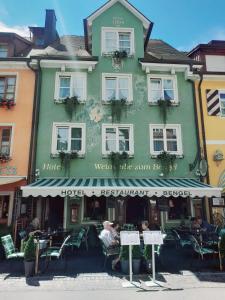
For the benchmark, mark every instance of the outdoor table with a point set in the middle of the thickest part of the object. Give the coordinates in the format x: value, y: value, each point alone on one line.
x: 42, y: 244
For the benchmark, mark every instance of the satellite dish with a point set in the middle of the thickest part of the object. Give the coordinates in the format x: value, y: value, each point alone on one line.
x: 203, y: 167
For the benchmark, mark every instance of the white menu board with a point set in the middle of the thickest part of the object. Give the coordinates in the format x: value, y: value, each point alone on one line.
x: 129, y: 238
x: 153, y: 237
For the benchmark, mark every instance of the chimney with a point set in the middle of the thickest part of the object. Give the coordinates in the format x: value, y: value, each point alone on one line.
x: 51, y: 33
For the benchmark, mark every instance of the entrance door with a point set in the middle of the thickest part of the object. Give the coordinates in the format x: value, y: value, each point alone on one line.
x: 56, y: 213
x: 136, y: 210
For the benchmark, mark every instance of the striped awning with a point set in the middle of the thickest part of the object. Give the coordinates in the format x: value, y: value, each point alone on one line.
x: 119, y: 188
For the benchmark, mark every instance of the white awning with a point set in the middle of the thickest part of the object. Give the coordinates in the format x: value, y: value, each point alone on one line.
x: 80, y: 187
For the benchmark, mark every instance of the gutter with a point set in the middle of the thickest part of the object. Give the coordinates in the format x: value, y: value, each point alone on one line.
x: 35, y: 121
x: 202, y: 122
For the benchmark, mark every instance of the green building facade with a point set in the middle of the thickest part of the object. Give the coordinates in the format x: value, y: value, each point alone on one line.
x: 116, y: 109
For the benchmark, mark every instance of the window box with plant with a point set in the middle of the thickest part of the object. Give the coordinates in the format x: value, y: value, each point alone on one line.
x: 117, y: 108
x: 4, y: 158
x: 116, y: 159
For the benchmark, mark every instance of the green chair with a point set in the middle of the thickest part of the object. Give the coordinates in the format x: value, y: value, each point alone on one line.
x: 108, y: 251
x: 181, y: 241
x: 128, y: 227
x: 77, y: 239
x: 55, y: 252
x: 200, y: 250
x: 9, y: 248
x: 99, y: 228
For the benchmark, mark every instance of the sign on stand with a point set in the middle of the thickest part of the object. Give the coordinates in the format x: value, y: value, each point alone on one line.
x: 153, y: 238
x: 130, y: 238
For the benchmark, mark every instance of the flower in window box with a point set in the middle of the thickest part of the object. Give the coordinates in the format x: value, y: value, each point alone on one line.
x: 117, y: 106
x: 116, y: 158
x: 167, y: 161
x: 74, y: 154
x: 10, y: 104
x: 164, y: 105
x: 4, y: 157
x: 70, y: 105
x: 120, y: 54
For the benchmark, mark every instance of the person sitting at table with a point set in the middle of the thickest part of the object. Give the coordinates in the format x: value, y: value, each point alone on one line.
x: 204, y: 225
x: 116, y: 230
x: 145, y: 226
x: 33, y: 228
x: 109, y: 240
x: 194, y: 224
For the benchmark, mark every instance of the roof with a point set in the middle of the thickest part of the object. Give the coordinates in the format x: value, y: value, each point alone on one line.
x: 65, y: 46
x: 15, y: 35
x: 211, y: 45
x: 73, y: 45
x: 146, y: 22
x: 120, y: 187
x: 158, y: 51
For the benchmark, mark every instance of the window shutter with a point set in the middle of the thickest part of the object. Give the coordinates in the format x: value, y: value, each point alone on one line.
x: 213, y: 102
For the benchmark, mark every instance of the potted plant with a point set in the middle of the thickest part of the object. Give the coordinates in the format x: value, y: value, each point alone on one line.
x: 117, y: 107
x: 136, y: 259
x: 116, y: 158
x: 148, y: 257
x: 124, y: 259
x: 167, y: 161
x: 29, y: 257
x: 71, y: 105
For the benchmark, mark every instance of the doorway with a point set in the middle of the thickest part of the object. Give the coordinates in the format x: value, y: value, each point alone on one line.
x: 137, y: 210
x: 56, y: 213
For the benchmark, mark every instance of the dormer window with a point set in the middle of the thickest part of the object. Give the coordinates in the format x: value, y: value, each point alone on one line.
x: 118, y: 39
x: 3, y: 50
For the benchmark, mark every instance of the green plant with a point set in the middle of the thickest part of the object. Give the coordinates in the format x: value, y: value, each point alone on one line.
x: 164, y: 105
x: 124, y: 253
x: 71, y: 105
x: 117, y: 107
x: 148, y: 252
x: 167, y: 161
x: 222, y: 246
x: 136, y: 252
x: 120, y: 54
x: 66, y: 157
x: 115, y: 158
x: 30, y: 250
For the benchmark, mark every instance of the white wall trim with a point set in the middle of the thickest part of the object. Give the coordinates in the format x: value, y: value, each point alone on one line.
x: 117, y: 30
x: 69, y: 125
x: 71, y: 64
x: 164, y: 127
x: 215, y: 142
x: 163, y: 76
x: 73, y: 76
x: 118, y: 75
x: 116, y: 126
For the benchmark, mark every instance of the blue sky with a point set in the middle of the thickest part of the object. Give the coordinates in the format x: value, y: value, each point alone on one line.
x: 182, y: 23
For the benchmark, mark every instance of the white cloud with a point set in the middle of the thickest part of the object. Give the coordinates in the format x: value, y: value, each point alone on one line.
x: 213, y: 34
x: 21, y: 30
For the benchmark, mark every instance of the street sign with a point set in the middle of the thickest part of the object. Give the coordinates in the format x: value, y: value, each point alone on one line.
x: 153, y: 237
x: 129, y: 238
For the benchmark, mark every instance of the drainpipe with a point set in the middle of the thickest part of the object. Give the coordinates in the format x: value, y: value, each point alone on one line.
x: 35, y: 120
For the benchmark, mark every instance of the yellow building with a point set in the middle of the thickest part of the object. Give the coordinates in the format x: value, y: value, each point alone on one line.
x: 210, y: 100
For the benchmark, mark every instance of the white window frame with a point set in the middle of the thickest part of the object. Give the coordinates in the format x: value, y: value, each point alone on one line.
x: 117, y: 76
x: 12, y: 125
x: 221, y: 92
x: 118, y: 30
x: 117, y: 126
x: 70, y: 126
x: 162, y: 77
x: 179, y: 151
x: 13, y: 74
x: 72, y: 75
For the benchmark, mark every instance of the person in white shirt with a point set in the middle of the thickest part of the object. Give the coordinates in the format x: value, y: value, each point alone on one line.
x: 109, y: 240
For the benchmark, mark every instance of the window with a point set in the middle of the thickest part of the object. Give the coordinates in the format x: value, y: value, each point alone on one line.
x: 165, y: 139
x: 178, y: 208
x: 95, y: 208
x: 117, y: 138
x: 3, y: 51
x: 5, y: 140
x: 7, y: 88
x: 4, y: 209
x: 71, y: 84
x: 222, y: 103
x: 68, y: 138
x: 118, y: 39
x: 117, y: 87
x: 162, y: 88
